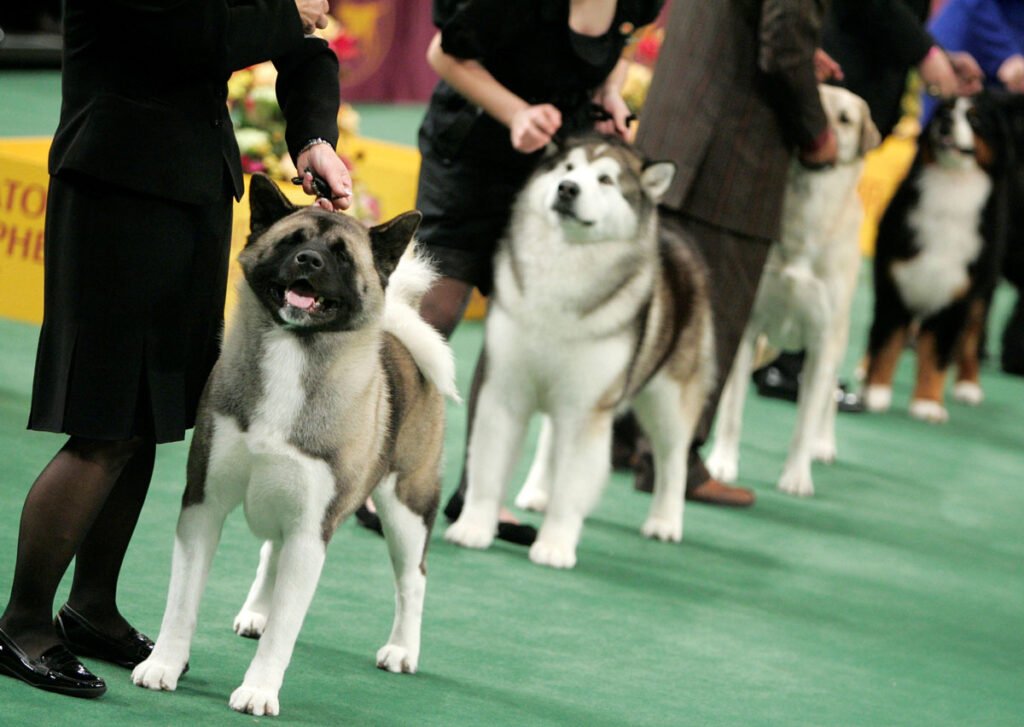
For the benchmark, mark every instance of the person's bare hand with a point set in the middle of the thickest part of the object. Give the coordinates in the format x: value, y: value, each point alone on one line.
x: 824, y: 154
x: 533, y: 127
x: 826, y: 68
x: 313, y: 14
x: 938, y: 75
x: 322, y: 159
x: 619, y: 112
x: 1011, y: 73
x: 968, y: 73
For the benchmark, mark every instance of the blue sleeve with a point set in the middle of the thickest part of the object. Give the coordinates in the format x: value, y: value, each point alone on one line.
x: 979, y: 28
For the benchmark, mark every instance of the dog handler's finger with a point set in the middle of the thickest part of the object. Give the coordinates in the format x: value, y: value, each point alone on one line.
x: 338, y: 178
x: 553, y: 116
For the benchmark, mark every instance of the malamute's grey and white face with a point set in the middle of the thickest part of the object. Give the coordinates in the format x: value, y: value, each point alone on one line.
x: 598, y: 188
x: 315, y: 270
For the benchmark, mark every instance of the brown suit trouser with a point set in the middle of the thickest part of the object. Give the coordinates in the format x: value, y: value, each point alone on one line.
x: 734, y: 262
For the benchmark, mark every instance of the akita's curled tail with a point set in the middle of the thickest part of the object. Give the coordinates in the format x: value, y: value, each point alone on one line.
x: 406, y: 288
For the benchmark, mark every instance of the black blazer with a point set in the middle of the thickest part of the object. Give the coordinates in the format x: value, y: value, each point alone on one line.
x: 877, y: 42
x: 144, y: 90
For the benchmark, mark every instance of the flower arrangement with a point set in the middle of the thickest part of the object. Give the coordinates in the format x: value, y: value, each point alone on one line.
x: 642, y: 54
x: 259, y: 124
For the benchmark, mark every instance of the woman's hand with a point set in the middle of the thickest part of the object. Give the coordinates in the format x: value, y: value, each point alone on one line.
x: 618, y: 124
x: 1011, y: 73
x: 826, y: 68
x: 323, y: 160
x: 533, y: 127
x: 968, y: 73
x: 313, y: 14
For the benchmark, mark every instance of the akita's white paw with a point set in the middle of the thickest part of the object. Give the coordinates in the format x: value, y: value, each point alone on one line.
x: 397, y: 659
x: 968, y: 392
x: 157, y: 675
x: 929, y: 411
x: 470, y: 535
x: 877, y: 398
x: 797, y: 482
x: 532, y: 498
x: 555, y: 555
x: 257, y: 701
x: 824, y: 451
x: 666, y: 529
x: 723, y: 467
x: 250, y: 624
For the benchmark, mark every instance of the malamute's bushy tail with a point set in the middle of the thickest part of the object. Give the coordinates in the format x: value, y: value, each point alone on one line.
x: 406, y: 288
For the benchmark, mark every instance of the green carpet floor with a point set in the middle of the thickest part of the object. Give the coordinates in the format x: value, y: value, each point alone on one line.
x: 895, y: 596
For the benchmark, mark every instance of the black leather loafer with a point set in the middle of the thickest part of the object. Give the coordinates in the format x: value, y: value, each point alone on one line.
x: 84, y: 639
x: 56, y: 670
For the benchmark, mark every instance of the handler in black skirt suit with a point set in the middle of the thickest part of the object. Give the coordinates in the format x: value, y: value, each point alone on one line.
x: 143, y: 168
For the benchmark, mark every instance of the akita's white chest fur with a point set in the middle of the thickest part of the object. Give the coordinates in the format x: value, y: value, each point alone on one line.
x: 283, y: 486
x: 947, y: 228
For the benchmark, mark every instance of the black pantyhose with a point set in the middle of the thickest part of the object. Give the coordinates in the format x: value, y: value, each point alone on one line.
x: 86, y: 502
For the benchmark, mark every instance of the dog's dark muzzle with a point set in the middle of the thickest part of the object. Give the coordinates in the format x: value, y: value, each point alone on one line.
x: 311, y: 284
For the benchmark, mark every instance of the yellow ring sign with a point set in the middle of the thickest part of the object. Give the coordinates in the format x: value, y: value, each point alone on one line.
x: 388, y: 170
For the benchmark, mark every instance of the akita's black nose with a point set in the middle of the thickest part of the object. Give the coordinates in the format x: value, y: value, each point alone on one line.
x: 568, y: 190
x: 310, y: 259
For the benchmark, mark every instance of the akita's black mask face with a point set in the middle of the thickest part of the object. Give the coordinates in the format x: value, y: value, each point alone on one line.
x: 315, y: 270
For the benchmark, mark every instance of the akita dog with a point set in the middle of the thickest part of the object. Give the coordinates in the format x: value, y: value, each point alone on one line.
x: 329, y: 388
x: 591, y: 313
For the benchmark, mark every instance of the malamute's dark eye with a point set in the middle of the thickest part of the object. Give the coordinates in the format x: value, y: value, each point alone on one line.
x: 568, y: 166
x: 843, y: 118
x: 605, y: 179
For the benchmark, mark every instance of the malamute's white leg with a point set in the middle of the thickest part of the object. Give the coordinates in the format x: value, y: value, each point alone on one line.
x: 581, y: 444
x: 499, y: 426
x: 537, y: 490
x: 406, y: 534
x: 198, y: 532
x: 723, y: 462
x: 669, y: 412
x: 299, y: 565
x: 252, y: 618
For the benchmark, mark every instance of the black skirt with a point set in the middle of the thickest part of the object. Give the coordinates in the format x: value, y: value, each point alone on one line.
x: 134, y: 301
x: 468, y: 180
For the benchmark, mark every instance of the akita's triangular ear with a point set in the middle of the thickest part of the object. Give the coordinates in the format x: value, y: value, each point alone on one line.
x: 267, y: 204
x: 657, y: 177
x: 389, y: 240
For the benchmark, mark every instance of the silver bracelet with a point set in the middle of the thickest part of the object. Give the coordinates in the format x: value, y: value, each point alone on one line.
x: 311, y: 143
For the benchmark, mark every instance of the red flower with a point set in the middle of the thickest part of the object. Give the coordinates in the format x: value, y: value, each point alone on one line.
x: 345, y: 46
x: 647, y: 49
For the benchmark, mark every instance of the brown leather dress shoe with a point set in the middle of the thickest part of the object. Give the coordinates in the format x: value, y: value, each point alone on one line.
x: 714, y: 492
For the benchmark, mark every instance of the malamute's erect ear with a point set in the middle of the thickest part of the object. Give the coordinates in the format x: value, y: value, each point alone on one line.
x: 389, y: 240
x: 267, y: 204
x: 657, y: 177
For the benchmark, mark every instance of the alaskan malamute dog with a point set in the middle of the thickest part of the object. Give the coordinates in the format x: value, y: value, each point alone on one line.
x: 590, y: 314
x: 329, y: 388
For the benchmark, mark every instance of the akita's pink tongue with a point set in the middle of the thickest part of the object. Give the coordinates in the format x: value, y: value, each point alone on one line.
x: 305, y: 302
